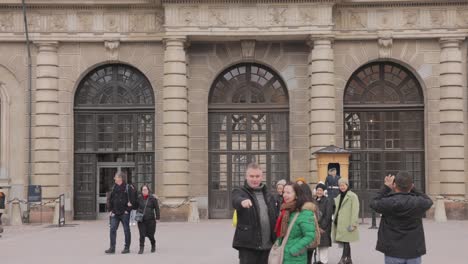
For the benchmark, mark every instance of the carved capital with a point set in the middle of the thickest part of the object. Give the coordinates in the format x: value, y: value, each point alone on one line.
x: 47, y: 46
x: 451, y: 42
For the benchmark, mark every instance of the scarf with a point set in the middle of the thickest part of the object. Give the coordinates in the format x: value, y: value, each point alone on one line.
x: 281, y: 226
x: 145, y: 196
x: 342, y: 196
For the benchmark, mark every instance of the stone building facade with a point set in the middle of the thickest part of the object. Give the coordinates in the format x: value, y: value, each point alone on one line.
x: 183, y: 94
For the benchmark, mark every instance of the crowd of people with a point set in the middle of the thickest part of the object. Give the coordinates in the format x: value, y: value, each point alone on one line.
x: 297, y: 225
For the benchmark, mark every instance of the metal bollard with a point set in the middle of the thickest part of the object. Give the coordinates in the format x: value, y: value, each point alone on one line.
x: 374, y: 221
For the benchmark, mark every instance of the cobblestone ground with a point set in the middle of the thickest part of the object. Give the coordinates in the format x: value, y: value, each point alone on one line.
x: 208, y: 242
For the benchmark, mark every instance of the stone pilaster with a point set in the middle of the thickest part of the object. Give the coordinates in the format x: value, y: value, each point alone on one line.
x: 175, y: 122
x: 46, y: 119
x: 452, y: 142
x: 321, y: 98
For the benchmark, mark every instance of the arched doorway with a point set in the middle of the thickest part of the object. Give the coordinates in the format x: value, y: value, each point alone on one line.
x: 114, y: 130
x: 248, y: 121
x: 384, y: 126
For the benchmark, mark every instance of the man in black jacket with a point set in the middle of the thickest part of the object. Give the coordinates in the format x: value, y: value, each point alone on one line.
x: 401, y: 232
x: 256, y: 217
x: 121, y: 202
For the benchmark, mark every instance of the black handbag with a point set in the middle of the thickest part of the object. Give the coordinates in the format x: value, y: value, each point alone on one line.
x: 138, y: 215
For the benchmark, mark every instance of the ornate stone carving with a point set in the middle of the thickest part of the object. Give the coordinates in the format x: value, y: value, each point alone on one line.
x: 34, y: 22
x: 85, y: 21
x: 7, y: 22
x: 278, y: 15
x: 437, y: 18
x: 358, y: 20
x: 462, y: 18
x: 307, y: 15
x: 189, y: 16
x: 410, y: 18
x: 57, y: 22
x: 385, y: 19
x: 248, y: 16
x: 134, y: 23
x: 112, y: 47
x: 111, y: 22
x: 385, y: 42
x: 248, y: 48
x: 218, y: 16
x: 159, y: 20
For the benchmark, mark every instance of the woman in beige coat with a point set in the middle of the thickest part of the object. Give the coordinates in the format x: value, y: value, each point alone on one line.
x: 345, y: 223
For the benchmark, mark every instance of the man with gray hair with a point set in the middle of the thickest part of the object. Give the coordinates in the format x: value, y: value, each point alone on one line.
x: 121, y: 202
x: 256, y: 217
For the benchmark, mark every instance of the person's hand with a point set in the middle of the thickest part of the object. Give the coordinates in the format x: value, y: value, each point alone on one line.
x: 321, y: 231
x: 111, y: 214
x: 389, y: 180
x: 351, y: 228
x: 246, y: 203
x: 129, y: 204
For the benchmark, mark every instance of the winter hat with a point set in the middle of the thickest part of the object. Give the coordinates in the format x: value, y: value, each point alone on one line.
x: 343, y: 180
x: 300, y: 179
x: 281, y: 182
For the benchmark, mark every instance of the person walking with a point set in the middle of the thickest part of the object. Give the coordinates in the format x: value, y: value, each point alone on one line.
x: 346, y: 217
x: 332, y: 183
x: 325, y: 206
x: 303, y: 232
x: 401, y: 232
x: 147, y: 205
x: 256, y: 216
x: 121, y: 202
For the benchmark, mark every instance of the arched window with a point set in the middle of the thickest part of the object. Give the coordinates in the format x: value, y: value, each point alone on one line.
x: 384, y: 125
x: 248, y: 121
x: 114, y: 131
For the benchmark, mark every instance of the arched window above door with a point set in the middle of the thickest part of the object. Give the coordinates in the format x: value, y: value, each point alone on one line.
x: 114, y: 85
x: 249, y: 84
x: 383, y: 83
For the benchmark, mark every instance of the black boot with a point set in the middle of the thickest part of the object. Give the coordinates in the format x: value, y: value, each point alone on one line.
x: 126, y: 251
x: 348, y: 260
x: 342, y: 260
x: 153, y: 248
x: 142, y: 249
x: 110, y: 251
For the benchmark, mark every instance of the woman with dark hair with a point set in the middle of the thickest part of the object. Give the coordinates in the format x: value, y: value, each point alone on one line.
x: 148, y: 205
x: 302, y: 232
x: 310, y: 198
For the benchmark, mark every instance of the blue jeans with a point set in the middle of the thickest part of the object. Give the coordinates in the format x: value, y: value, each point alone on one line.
x: 392, y: 260
x: 115, y: 221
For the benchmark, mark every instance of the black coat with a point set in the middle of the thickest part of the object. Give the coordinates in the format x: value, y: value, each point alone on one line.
x: 119, y: 198
x: 151, y: 212
x: 278, y: 202
x: 325, y: 222
x: 2, y: 200
x: 248, y: 232
x: 401, y: 232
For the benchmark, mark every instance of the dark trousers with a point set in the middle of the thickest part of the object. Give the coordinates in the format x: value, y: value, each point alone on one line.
x: 115, y: 221
x: 147, y: 229
x: 346, y: 250
x: 251, y: 256
x: 310, y: 254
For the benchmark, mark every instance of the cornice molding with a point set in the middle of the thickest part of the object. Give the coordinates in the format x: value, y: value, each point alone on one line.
x: 418, y: 3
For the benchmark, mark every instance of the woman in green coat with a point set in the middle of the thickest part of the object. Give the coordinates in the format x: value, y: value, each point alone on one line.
x: 303, y: 231
x: 346, y: 217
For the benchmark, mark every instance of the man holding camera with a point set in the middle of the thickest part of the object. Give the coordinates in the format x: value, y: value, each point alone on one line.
x: 401, y: 232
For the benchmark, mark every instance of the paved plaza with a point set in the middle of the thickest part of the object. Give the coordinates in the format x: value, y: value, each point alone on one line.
x: 208, y: 242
